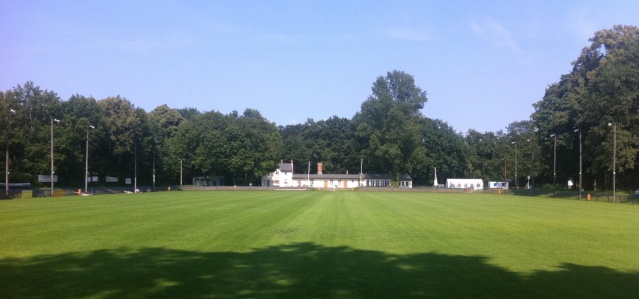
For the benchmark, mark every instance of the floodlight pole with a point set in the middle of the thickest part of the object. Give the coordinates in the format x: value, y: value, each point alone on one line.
x: 516, y: 179
x: 532, y: 163
x: 505, y: 170
x: 180, y: 172
x: 154, y: 142
x: 52, y: 171
x: 86, y: 166
x: 554, y: 168
x: 614, y: 161
x: 135, y: 164
x: 6, y: 165
x: 580, y: 160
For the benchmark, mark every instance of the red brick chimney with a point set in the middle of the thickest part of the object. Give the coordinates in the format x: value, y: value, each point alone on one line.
x: 319, y: 168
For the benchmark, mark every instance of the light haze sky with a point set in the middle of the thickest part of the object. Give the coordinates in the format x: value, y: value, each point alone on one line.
x: 482, y: 63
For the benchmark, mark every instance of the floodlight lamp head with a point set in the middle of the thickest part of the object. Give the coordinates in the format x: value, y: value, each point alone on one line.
x: 56, y: 120
x: 92, y: 127
x: 12, y: 111
x: 528, y: 140
x: 514, y: 142
x: 610, y: 124
x: 553, y: 135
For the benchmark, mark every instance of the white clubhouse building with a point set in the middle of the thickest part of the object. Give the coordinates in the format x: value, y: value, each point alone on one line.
x: 284, y: 177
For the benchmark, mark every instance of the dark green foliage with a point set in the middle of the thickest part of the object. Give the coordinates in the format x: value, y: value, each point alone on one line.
x: 602, y: 88
x: 388, y: 123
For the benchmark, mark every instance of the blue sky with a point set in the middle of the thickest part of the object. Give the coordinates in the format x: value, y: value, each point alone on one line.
x: 483, y: 63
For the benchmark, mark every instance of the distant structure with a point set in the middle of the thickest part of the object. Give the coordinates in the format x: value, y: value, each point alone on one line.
x: 284, y: 177
x: 497, y: 185
x: 209, y: 180
x: 475, y: 184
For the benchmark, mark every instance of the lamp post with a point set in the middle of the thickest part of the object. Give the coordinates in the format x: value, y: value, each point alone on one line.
x: 516, y: 179
x: 614, y: 161
x: 580, y: 159
x: 86, y: 166
x: 554, y: 167
x: 154, y: 142
x: 135, y: 165
x: 52, y: 171
x: 532, y: 162
x: 180, y: 172
x: 6, y: 156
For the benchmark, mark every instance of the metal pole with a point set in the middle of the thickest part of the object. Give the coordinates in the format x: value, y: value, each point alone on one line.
x: 614, y: 164
x: 154, y: 141
x: 516, y: 179
x: 180, y: 172
x: 614, y: 168
x: 6, y: 165
x: 580, y: 165
x: 135, y: 165
x: 580, y: 159
x: 52, y: 172
x: 86, y: 165
x: 532, y: 163
x: 554, y: 168
x: 505, y: 171
x: 86, y: 172
x: 532, y: 167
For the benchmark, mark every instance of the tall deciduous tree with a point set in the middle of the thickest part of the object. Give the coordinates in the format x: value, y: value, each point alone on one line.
x: 79, y: 114
x: 36, y: 108
x: 388, y: 123
x: 122, y: 127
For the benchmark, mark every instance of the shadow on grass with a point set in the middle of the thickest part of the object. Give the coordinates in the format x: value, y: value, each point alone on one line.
x: 296, y: 271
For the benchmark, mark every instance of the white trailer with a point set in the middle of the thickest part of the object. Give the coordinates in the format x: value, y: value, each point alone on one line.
x: 474, y: 184
x: 497, y: 185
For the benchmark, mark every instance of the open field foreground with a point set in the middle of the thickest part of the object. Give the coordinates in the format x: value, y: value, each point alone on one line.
x: 317, y: 244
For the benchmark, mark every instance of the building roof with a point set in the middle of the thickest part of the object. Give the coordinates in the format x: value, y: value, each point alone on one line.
x: 285, y: 167
x: 340, y: 176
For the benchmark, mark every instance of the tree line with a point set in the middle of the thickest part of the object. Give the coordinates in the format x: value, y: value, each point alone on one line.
x: 598, y: 98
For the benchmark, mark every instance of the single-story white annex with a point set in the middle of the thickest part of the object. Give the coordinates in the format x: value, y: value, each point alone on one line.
x: 284, y: 177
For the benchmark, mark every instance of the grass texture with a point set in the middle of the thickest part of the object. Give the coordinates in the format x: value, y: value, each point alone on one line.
x: 317, y: 245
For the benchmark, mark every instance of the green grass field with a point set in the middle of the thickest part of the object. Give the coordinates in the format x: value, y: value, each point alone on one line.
x: 317, y: 245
